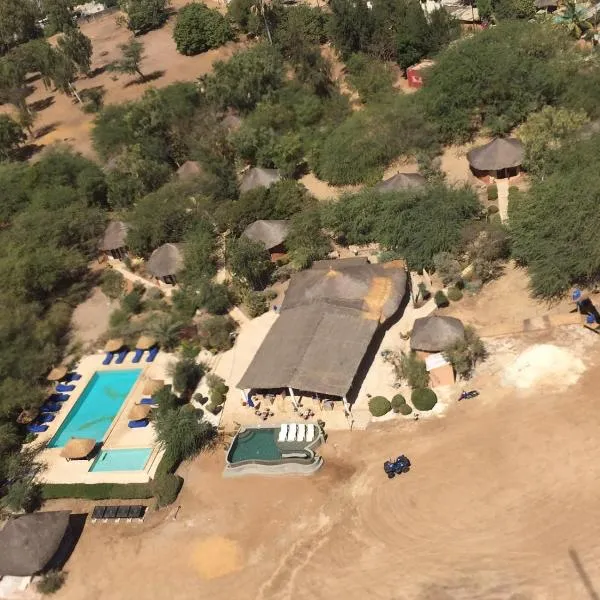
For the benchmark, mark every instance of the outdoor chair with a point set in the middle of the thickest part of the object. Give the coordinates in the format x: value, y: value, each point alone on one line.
x: 108, y: 358
x: 46, y: 418
x: 136, y: 511
x: 121, y: 357
x: 110, y: 513
x: 310, y: 432
x: 152, y: 354
x: 150, y: 401
x: 98, y: 513
x: 72, y: 377
x: 137, y: 356
x: 58, y: 397
x: 35, y: 428
x: 61, y: 387
x: 137, y: 424
x: 122, y: 512
x: 50, y: 407
x: 282, y: 433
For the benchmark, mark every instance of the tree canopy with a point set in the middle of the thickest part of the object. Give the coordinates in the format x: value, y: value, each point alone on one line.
x: 145, y: 15
x: 199, y: 28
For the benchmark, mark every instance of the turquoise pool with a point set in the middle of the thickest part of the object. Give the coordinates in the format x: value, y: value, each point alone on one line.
x: 97, y: 406
x: 128, y: 459
x: 255, y: 444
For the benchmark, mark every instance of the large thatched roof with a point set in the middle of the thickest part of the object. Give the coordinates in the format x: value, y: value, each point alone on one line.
x: 546, y: 3
x: 189, y: 169
x: 115, y: 236
x: 268, y: 233
x: 259, y: 177
x: 327, y: 321
x: 501, y: 153
x: 401, y: 181
x: 28, y: 542
x: 436, y: 333
x: 166, y: 260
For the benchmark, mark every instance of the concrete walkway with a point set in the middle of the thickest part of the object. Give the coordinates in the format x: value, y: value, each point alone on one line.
x: 502, y: 185
x: 117, y: 265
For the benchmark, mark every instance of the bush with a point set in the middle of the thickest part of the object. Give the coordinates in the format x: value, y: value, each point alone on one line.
x: 447, y: 267
x: 215, y: 333
x: 112, y: 283
x: 423, y: 399
x: 218, y: 389
x: 186, y: 374
x: 97, y: 491
x: 200, y: 28
x: 440, y: 299
x: 405, y: 409
x: 132, y: 302
x: 51, y: 582
x: 398, y: 402
x: 379, y: 406
x: 166, y: 489
x: 465, y: 354
x: 454, y: 294
x: 492, y: 192
x: 370, y: 77
x: 414, y: 370
x: 256, y: 304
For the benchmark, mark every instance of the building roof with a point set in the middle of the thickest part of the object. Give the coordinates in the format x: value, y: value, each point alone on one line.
x: 401, y: 181
x: 268, y: 233
x: 436, y: 333
x: 259, y: 177
x: 30, y: 541
x: 326, y: 322
x: 115, y: 236
x: 166, y: 260
x: 340, y: 263
x: 189, y: 169
x: 546, y: 3
x: 500, y: 153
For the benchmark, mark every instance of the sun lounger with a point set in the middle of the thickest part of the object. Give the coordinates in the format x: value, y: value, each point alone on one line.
x: 136, y: 511
x: 310, y: 432
x: 301, y: 432
x: 108, y: 358
x: 291, y: 436
x: 110, y: 513
x: 46, y: 418
x: 58, y: 398
x: 150, y: 401
x: 50, y: 407
x: 282, y: 433
x: 61, y: 387
x: 137, y: 356
x: 98, y: 513
x: 152, y: 354
x: 121, y: 357
x: 72, y: 377
x: 137, y: 424
x: 122, y: 512
x: 34, y: 428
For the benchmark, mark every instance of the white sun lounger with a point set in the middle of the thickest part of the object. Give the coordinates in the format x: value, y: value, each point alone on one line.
x: 283, y: 433
x: 301, y: 432
x: 310, y: 432
x: 291, y: 436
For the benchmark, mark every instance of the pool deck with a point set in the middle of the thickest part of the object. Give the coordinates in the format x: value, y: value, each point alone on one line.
x: 59, y: 470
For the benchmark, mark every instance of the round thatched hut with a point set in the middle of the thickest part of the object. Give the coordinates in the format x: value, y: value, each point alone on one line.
x: 499, y: 159
x: 258, y: 177
x: 165, y: 262
x: 400, y: 182
x: 114, y: 241
x: 436, y: 333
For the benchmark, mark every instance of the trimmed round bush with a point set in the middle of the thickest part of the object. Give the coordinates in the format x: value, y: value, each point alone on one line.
x: 405, y: 409
x: 440, y: 299
x: 423, y: 399
x: 398, y: 402
x: 492, y: 192
x: 379, y: 406
x: 200, y: 28
x: 454, y: 294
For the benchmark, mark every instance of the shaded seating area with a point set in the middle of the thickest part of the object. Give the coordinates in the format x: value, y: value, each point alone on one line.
x: 165, y: 262
x: 271, y: 234
x: 400, y: 182
x: 114, y: 241
x: 111, y: 347
x: 145, y: 343
x: 258, y: 177
x: 499, y: 159
x: 78, y: 448
x: 138, y: 416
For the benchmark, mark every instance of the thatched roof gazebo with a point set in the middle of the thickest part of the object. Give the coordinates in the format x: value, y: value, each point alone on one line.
x: 258, y: 177
x: 400, y: 182
x: 436, y: 333
x: 77, y: 448
x: 29, y: 542
x: 188, y: 170
x: 546, y: 4
x: 139, y: 411
x: 57, y: 374
x: 145, y: 342
x: 114, y: 241
x: 500, y: 158
x: 165, y: 262
x: 114, y: 345
x: 271, y: 234
x: 152, y: 385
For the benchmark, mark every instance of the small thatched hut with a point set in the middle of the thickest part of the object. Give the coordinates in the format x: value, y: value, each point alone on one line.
x: 271, y: 234
x: 499, y: 159
x: 114, y: 241
x: 547, y: 5
x: 30, y: 542
x: 188, y: 170
x: 436, y: 333
x: 400, y: 182
x: 258, y: 177
x: 165, y: 262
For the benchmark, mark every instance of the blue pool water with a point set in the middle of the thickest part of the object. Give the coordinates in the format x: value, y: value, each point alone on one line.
x: 97, y: 406
x: 128, y: 459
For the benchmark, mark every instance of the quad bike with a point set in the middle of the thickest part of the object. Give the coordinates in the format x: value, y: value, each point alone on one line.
x: 396, y: 467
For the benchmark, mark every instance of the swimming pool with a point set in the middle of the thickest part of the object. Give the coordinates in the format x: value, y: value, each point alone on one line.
x: 255, y: 444
x: 95, y: 409
x: 127, y: 459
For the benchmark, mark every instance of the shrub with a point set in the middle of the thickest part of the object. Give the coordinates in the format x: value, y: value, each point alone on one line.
x: 256, y: 304
x: 440, y: 299
x: 200, y: 28
x: 414, y: 370
x: 112, y: 283
x: 398, y: 402
x: 132, y: 302
x: 465, y: 354
x: 492, y: 192
x: 405, y: 409
x: 51, y: 582
x: 186, y: 375
x: 218, y: 389
x: 423, y: 399
x: 215, y: 333
x: 379, y: 406
x: 454, y: 294
x: 166, y: 489
x: 447, y: 267
x: 369, y: 76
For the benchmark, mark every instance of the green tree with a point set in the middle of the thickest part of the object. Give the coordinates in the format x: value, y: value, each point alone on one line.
x: 249, y: 261
x: 199, y: 28
x: 186, y: 374
x: 145, y: 15
x: 306, y: 241
x: 131, y: 58
x: 216, y: 333
x: 18, y: 23
x: 23, y: 470
x: 465, y: 354
x: 370, y: 77
x: 77, y: 47
x: 59, y: 15
x: 166, y: 331
x: 11, y: 137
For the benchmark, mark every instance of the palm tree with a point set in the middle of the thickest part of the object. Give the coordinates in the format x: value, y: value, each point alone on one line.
x: 166, y: 330
x: 575, y: 20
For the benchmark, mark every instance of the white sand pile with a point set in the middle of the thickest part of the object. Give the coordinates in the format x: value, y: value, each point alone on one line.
x: 543, y: 363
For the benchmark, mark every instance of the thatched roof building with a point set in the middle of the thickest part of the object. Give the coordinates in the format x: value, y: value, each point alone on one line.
x: 436, y: 333
x: 258, y: 177
x: 188, y: 170
x: 269, y: 233
x: 539, y: 4
x: 500, y: 153
x: 115, y: 237
x: 327, y: 321
x: 166, y: 261
x: 401, y: 181
x: 29, y: 542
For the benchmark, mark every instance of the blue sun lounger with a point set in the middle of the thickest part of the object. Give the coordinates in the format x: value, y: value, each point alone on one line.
x: 57, y: 398
x: 151, y: 401
x: 108, y: 358
x: 72, y: 377
x: 34, y: 428
x: 121, y: 357
x: 137, y: 356
x: 45, y: 418
x: 50, y: 407
x: 137, y: 424
x: 61, y: 387
x: 152, y: 354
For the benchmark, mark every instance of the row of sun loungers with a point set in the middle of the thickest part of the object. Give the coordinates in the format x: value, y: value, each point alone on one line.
x: 53, y: 404
x: 296, y: 432
x: 137, y: 357
x: 128, y: 512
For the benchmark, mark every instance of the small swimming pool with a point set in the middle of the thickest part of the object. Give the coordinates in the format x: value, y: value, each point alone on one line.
x: 255, y: 444
x: 127, y: 459
x: 95, y: 409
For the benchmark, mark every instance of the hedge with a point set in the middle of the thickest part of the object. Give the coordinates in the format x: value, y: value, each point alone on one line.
x: 379, y: 406
x: 423, y: 399
x: 454, y: 294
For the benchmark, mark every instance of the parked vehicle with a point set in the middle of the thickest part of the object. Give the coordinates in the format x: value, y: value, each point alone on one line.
x: 468, y: 395
x: 396, y: 467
